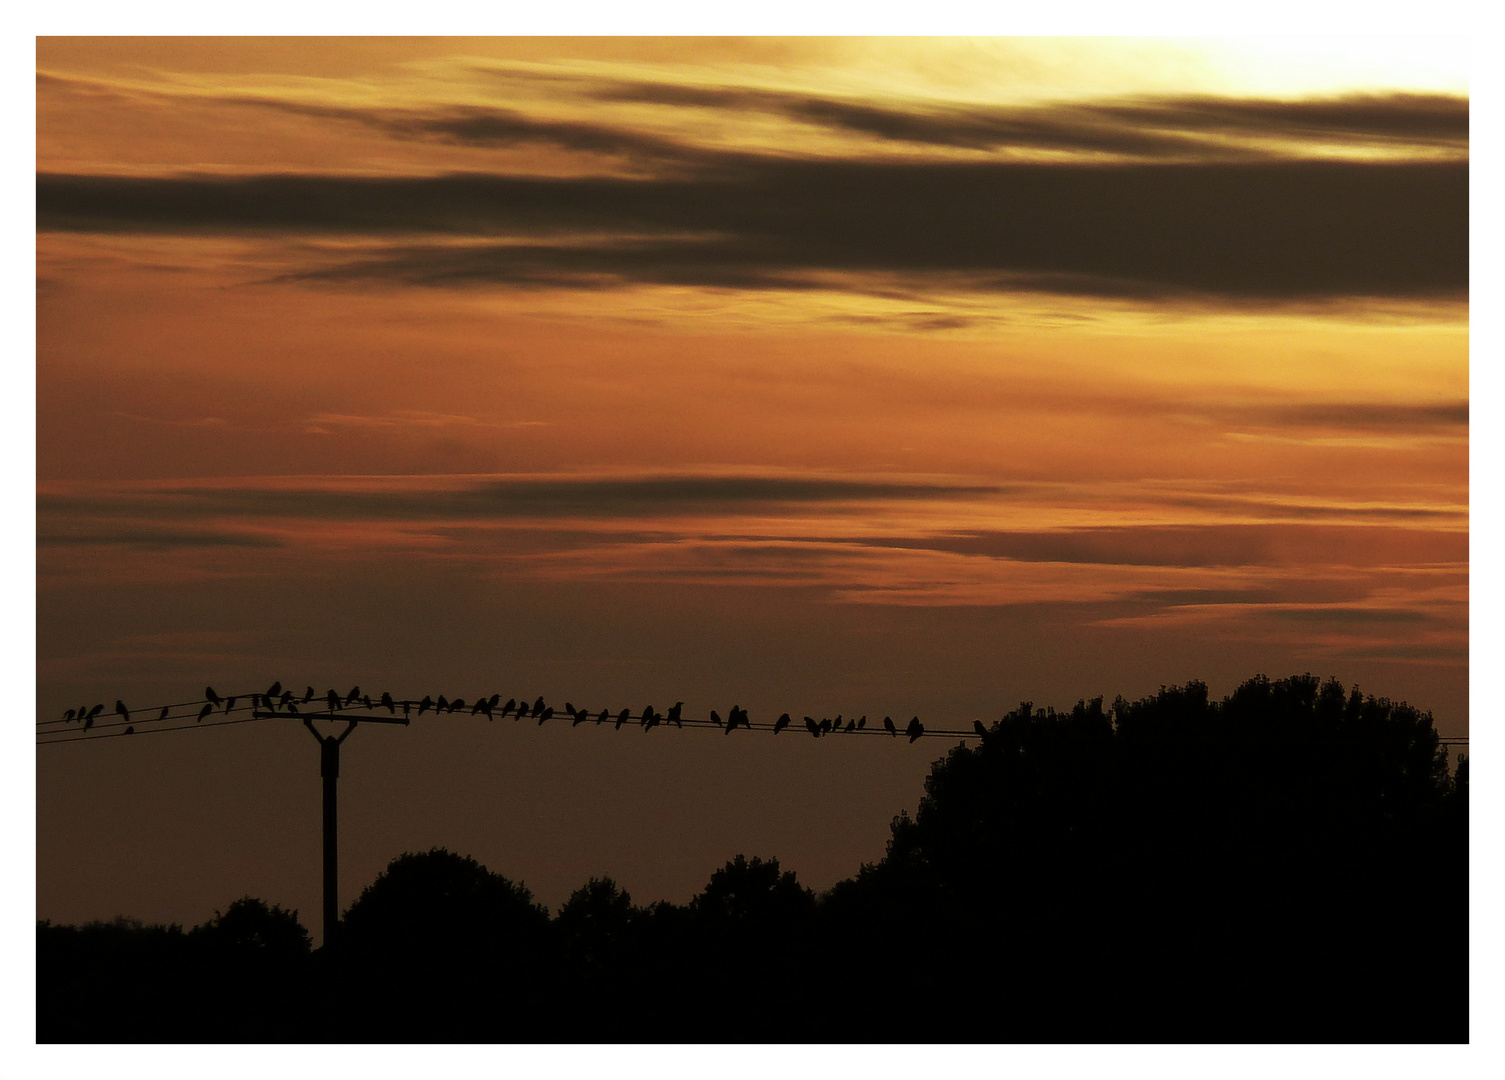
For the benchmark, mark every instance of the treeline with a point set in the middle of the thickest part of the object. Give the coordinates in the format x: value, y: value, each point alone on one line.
x: 1288, y: 864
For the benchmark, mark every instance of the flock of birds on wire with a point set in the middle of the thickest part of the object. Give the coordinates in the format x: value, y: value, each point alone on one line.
x: 277, y: 701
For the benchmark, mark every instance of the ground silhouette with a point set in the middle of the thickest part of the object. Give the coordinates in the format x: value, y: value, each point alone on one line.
x: 1278, y: 866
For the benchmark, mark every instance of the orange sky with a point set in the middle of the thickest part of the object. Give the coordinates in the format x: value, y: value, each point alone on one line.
x: 859, y: 376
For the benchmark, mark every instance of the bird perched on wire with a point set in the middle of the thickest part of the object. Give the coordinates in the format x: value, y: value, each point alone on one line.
x: 68, y: 715
x: 813, y: 726
x: 548, y: 712
x: 674, y: 713
x: 649, y: 717
x: 851, y: 726
x: 733, y: 718
x: 622, y: 718
x: 511, y: 704
x: 862, y: 721
x: 781, y: 723
x: 580, y: 715
x: 888, y: 725
x: 210, y: 695
x: 129, y: 730
x: 121, y: 710
x: 458, y: 703
x: 366, y: 702
x: 915, y: 729
x: 229, y: 704
x: 605, y: 713
x: 715, y: 718
x: 426, y: 703
x: 206, y: 710
x: 441, y: 705
x: 523, y: 709
x: 825, y: 725
x: 89, y: 717
x: 334, y: 701
x: 163, y: 715
x: 386, y: 700
x: 274, y: 691
x: 308, y: 695
x: 355, y: 692
x: 538, y: 705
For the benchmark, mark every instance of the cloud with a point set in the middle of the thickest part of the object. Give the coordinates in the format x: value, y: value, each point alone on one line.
x: 155, y: 538
x: 509, y: 498
x: 1267, y: 231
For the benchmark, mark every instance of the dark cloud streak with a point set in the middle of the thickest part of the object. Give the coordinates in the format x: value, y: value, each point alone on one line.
x: 1269, y: 231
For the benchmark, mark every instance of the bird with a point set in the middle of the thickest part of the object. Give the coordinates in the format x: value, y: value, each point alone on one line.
x: 569, y: 708
x: 781, y: 723
x: 493, y: 701
x: 355, y: 692
x: 292, y: 707
x: 68, y: 715
x: 674, y: 713
x: 333, y: 699
x: 650, y: 719
x: 851, y: 726
x: 604, y: 714
x: 82, y: 710
x: 538, y: 705
x: 229, y: 704
x: 211, y: 696
x: 129, y: 730
x: 121, y: 710
x: 474, y: 709
x: 386, y: 699
x: 836, y: 724
x: 206, y: 710
x: 888, y: 725
x: 647, y: 715
x: 813, y: 726
x: 308, y: 695
x: 89, y: 719
x: 715, y: 718
x: 548, y: 712
x: 275, y: 690
x: 427, y: 702
x: 982, y: 732
x: 523, y: 709
x: 862, y: 721
x: 915, y: 729
x: 287, y: 696
x: 511, y: 704
x: 825, y: 725
x: 458, y: 703
x: 441, y: 705
x: 483, y: 705
x: 366, y: 702
x: 163, y: 716
x: 622, y: 718
x: 580, y: 717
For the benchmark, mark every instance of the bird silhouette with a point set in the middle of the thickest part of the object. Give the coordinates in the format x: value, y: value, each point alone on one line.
x: 308, y: 695
x: 68, y: 715
x: 647, y: 715
x: 604, y: 714
x: 333, y: 699
x: 211, y: 696
x: 275, y: 690
x: 888, y: 725
x: 851, y: 726
x: 287, y: 696
x: 915, y: 729
x: 674, y: 713
x: 538, y: 705
x: 129, y: 730
x: 622, y: 718
x: 89, y: 721
x: 825, y: 725
x: 781, y: 723
x: 355, y: 692
x: 206, y: 710
x: 229, y: 704
x: 813, y: 726
x: 548, y: 712
x: 982, y: 732
x: 426, y: 703
x: 569, y: 708
x: 651, y: 719
x: 580, y: 717
x: 862, y: 721
x: 441, y: 705
x: 511, y: 704
x: 715, y: 718
x: 366, y: 702
x: 524, y: 709
x: 292, y: 707
x: 458, y: 703
x: 386, y: 699
x: 121, y: 710
x: 163, y: 716
x: 474, y: 709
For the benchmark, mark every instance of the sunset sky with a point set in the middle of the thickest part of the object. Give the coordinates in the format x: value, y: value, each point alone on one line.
x: 884, y: 376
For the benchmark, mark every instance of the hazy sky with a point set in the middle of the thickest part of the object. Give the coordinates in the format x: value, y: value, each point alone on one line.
x: 871, y: 377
